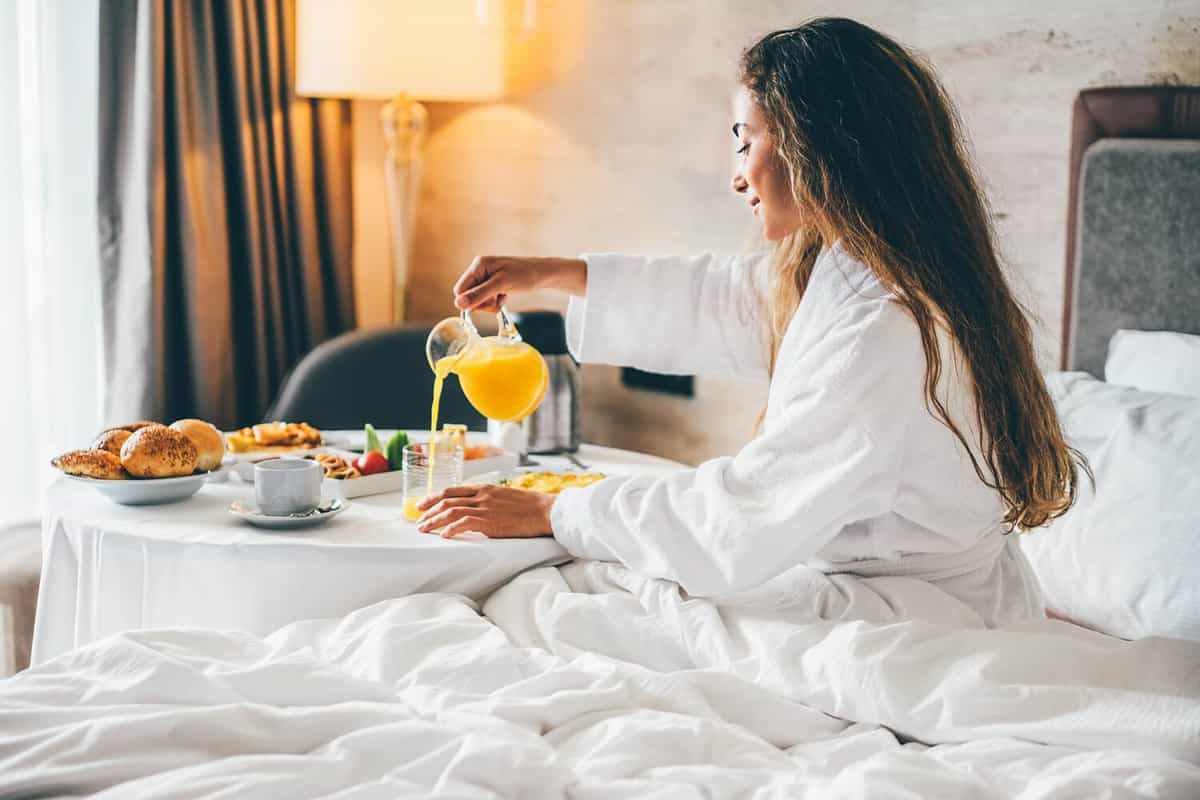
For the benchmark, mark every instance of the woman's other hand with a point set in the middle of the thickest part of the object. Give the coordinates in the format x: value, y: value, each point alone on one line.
x: 498, y: 512
x: 490, y: 279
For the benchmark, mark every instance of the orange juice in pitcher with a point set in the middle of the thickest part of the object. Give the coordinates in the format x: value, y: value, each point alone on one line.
x: 503, y: 377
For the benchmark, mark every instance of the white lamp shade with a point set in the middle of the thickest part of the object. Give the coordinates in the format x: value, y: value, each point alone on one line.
x: 429, y: 49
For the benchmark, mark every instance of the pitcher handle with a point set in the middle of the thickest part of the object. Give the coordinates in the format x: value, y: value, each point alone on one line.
x: 507, y: 329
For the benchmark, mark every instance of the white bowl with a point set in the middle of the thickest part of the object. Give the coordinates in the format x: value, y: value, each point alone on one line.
x: 146, y: 491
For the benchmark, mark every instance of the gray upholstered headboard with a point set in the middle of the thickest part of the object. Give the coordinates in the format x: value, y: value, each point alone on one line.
x: 1138, y: 244
x: 1133, y: 220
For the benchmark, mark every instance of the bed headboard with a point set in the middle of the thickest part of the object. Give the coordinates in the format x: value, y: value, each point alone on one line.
x: 1133, y: 225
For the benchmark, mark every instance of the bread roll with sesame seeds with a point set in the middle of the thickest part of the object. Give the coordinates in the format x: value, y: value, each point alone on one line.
x: 136, y: 426
x: 111, y: 440
x: 157, y: 451
x: 100, y: 464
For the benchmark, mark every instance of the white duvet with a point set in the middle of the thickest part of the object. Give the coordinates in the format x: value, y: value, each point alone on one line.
x: 588, y: 681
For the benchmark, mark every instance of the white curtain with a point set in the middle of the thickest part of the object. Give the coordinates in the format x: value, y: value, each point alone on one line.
x: 51, y: 356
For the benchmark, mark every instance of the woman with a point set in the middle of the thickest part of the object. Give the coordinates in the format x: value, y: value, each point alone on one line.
x: 907, y: 427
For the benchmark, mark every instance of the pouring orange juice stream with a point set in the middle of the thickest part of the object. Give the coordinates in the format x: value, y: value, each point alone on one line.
x: 504, y: 379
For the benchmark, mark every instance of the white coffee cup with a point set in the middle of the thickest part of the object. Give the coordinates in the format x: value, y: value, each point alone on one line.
x: 284, y: 486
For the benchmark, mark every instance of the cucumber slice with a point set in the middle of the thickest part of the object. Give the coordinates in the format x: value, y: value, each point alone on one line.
x: 373, y: 439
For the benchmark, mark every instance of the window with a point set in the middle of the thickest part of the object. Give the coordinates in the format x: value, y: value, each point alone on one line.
x: 51, y: 363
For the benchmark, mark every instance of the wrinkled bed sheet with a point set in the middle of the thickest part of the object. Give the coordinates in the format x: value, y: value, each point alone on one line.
x: 588, y: 681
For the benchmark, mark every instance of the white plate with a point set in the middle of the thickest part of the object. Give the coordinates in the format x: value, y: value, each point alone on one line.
x: 480, y: 466
x: 327, y: 441
x: 393, y: 480
x: 242, y: 464
x: 250, y: 457
x: 496, y: 476
x: 364, y: 485
x: 329, y: 508
x: 146, y: 491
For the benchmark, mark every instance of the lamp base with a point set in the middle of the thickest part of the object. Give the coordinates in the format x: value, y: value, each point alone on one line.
x: 404, y: 125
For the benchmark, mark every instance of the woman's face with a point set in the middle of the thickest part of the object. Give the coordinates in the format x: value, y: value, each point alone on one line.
x: 761, y: 174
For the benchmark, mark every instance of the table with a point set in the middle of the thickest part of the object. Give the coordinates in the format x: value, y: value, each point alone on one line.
x: 108, y: 568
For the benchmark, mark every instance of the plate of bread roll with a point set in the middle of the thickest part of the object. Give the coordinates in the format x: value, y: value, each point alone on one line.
x: 145, y: 462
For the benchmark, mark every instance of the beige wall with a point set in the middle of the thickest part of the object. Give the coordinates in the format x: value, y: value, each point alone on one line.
x: 617, y: 139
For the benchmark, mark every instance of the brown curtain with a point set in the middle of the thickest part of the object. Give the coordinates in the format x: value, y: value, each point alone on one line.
x: 249, y: 205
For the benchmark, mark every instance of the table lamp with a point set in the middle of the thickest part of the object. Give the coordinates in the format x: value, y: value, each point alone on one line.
x: 400, y: 50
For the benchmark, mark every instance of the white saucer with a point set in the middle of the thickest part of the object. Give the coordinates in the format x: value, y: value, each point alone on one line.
x: 329, y: 508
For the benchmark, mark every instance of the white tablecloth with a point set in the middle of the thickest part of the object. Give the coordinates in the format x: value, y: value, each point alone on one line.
x: 108, y: 568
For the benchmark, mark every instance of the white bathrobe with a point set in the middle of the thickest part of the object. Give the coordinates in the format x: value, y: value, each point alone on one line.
x: 851, y: 473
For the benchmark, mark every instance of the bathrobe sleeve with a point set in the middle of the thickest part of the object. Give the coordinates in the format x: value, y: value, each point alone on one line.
x: 829, y: 455
x: 683, y: 316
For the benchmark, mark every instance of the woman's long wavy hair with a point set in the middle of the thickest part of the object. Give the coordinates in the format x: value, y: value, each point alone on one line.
x: 877, y: 161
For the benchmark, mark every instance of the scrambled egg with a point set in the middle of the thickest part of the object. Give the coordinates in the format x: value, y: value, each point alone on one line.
x: 552, y: 482
x: 269, y: 435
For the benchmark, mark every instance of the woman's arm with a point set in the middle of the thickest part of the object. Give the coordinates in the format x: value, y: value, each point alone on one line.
x: 681, y: 315
x: 831, y: 455
x: 667, y: 314
x: 490, y: 279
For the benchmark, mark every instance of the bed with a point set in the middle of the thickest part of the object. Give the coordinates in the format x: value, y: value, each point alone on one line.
x: 589, y: 681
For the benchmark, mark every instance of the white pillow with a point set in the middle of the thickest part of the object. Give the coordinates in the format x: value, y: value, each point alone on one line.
x: 1125, y: 560
x: 1154, y: 361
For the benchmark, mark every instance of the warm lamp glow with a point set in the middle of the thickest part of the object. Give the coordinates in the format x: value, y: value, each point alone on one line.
x: 427, y: 49
x: 402, y: 51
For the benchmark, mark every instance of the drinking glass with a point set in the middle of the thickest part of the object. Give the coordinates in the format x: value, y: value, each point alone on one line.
x: 421, y: 478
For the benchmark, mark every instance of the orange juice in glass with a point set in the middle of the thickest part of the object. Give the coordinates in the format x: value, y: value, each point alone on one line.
x: 427, y: 471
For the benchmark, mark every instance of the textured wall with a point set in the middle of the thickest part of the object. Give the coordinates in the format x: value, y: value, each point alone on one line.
x: 617, y: 138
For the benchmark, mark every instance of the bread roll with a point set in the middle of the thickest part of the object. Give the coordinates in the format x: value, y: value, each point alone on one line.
x: 209, y: 444
x: 111, y: 440
x: 157, y: 451
x: 91, y: 464
x: 136, y: 426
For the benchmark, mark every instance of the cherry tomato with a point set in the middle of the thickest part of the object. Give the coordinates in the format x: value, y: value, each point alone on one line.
x: 371, y: 462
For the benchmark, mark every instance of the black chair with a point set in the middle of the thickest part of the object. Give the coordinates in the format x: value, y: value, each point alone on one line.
x: 375, y: 375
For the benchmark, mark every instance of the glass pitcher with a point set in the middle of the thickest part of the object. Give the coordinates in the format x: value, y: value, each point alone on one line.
x: 502, y: 376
